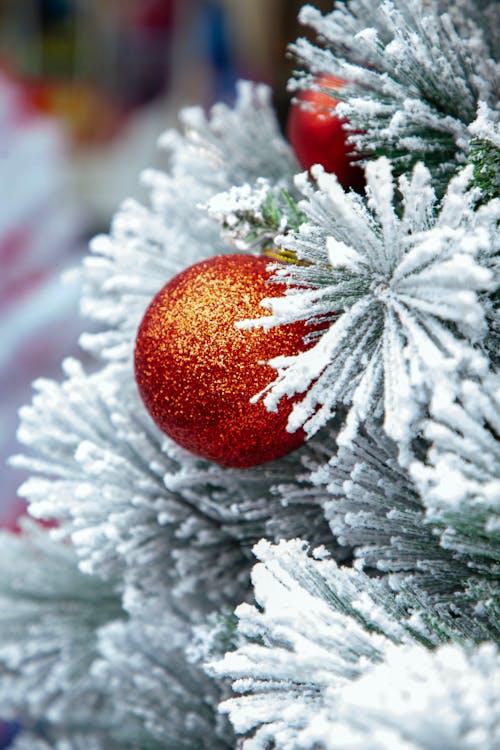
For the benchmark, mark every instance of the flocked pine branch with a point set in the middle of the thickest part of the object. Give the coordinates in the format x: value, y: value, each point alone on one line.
x: 55, y: 741
x: 28, y: 741
x: 79, y: 664
x: 486, y: 161
x: 50, y: 616
x: 252, y: 217
x: 485, y: 153
x: 42, y: 736
x: 136, y: 506
x: 143, y: 661
x: 330, y: 662
x: 460, y: 478
x: 374, y: 507
x: 404, y: 291
x: 102, y: 464
x: 174, y: 529
x: 485, y: 157
x: 417, y: 74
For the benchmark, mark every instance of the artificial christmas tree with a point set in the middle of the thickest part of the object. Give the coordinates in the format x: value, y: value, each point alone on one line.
x: 371, y: 618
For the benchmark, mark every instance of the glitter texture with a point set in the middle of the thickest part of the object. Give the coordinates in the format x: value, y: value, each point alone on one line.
x: 196, y: 371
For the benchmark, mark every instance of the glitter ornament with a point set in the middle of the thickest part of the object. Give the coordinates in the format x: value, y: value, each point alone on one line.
x: 196, y: 371
x: 317, y: 135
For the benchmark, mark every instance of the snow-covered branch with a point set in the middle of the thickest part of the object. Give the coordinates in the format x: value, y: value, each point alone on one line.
x: 405, y: 290
x: 330, y: 663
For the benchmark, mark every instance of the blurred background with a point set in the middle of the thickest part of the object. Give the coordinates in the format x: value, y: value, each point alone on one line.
x: 86, y: 87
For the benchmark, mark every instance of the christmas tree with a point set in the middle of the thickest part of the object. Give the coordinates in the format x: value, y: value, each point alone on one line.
x: 306, y: 555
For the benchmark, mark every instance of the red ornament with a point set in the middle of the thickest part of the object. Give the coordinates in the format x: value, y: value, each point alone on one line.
x: 318, y: 137
x: 196, y: 371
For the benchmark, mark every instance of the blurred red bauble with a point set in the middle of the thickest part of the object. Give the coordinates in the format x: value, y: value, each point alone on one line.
x: 196, y: 371
x: 317, y: 136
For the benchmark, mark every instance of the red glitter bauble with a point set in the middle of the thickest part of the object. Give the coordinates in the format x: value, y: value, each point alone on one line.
x: 196, y: 371
x: 318, y: 137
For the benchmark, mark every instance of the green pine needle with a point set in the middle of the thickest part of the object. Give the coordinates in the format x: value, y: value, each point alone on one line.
x: 485, y: 157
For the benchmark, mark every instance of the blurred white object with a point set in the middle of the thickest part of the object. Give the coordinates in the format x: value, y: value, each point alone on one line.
x: 105, y: 174
x: 39, y: 234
